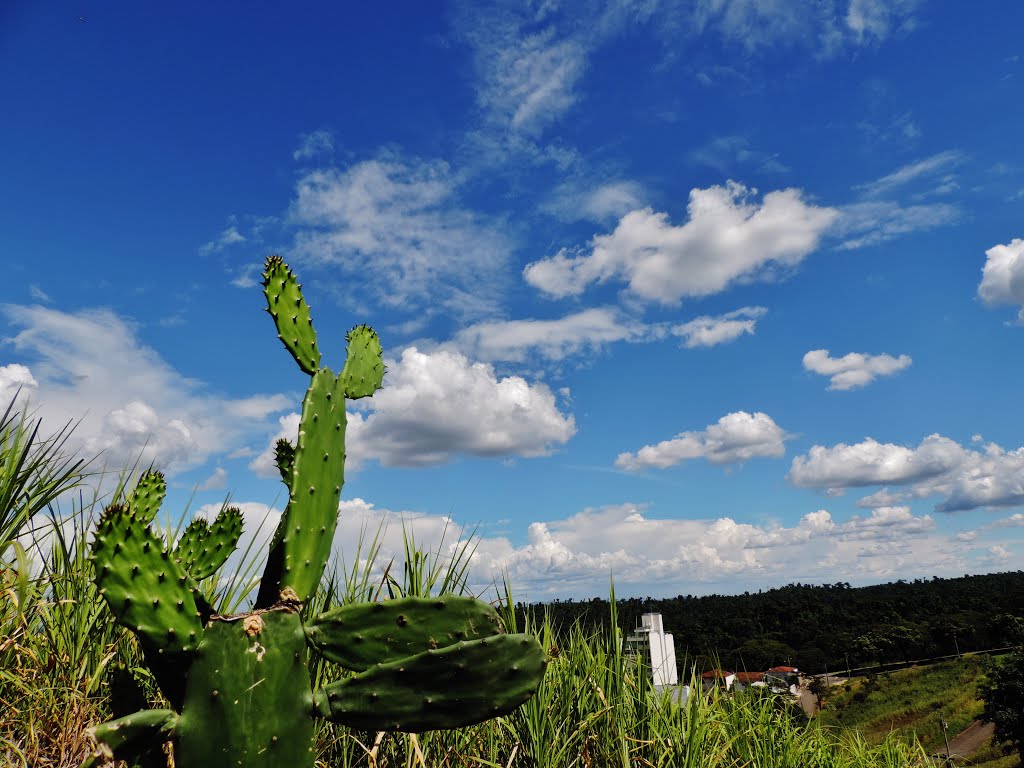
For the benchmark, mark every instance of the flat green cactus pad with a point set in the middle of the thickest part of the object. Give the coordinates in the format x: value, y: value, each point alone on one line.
x: 360, y: 635
x: 291, y: 313
x: 249, y: 695
x: 148, y: 495
x: 452, y: 687
x: 204, y: 547
x: 146, y: 590
x: 364, y: 367
x: 131, y: 736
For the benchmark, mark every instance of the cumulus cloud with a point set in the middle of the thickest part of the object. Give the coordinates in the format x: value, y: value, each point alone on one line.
x: 1002, y: 278
x: 962, y: 478
x: 708, y: 331
x: 90, y: 367
x: 16, y: 381
x: 436, y: 406
x: 399, y: 228
x: 728, y: 238
x: 853, y: 370
x: 585, y: 331
x: 734, y: 438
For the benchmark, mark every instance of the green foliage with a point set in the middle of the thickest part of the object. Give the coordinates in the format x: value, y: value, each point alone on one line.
x: 1003, y: 693
x: 242, y: 683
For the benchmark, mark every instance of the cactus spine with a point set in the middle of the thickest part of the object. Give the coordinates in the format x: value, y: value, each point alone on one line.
x: 240, y: 685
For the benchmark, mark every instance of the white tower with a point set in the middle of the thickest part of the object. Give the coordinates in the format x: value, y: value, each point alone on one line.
x: 657, y: 647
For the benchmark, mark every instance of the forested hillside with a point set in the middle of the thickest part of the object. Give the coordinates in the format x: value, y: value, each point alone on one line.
x: 835, y: 625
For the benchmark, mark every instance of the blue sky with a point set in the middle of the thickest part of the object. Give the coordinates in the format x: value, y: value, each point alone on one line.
x: 710, y: 295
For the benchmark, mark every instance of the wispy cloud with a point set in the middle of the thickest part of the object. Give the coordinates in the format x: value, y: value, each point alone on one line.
x: 313, y: 145
x: 586, y: 331
x: 859, y: 225
x: 928, y: 167
x: 708, y: 331
x: 399, y: 227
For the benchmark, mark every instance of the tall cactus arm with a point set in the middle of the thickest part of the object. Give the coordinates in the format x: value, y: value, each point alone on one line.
x: 291, y: 313
x: 130, y: 737
x: 359, y: 635
x: 145, y: 588
x: 452, y: 687
x: 317, y: 476
x: 364, y: 366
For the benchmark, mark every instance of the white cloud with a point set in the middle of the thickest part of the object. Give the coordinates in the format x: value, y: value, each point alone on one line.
x: 399, y: 228
x: 228, y: 237
x: 91, y: 367
x: 876, y: 19
x: 1002, y: 280
x: 587, y: 199
x: 707, y: 331
x: 906, y: 174
x: 734, y: 438
x: 728, y: 239
x: 436, y: 406
x: 314, y: 144
x: 962, y: 478
x: 16, y: 381
x: 587, y: 330
x: 855, y: 369
x: 873, y: 222
x: 216, y: 481
x: 872, y: 463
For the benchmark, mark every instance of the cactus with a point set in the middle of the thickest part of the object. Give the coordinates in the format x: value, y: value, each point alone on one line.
x: 240, y: 685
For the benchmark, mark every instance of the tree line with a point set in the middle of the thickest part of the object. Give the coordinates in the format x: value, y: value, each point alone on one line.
x: 819, y: 628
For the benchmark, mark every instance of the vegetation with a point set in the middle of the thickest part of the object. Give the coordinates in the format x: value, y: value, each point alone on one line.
x: 1003, y: 694
x: 913, y: 704
x: 826, y: 628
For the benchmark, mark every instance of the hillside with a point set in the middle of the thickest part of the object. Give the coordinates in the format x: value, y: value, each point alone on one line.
x: 914, y: 702
x: 829, y: 627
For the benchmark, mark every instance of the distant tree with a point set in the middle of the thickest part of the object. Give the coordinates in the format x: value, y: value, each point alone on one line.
x: 1003, y: 694
x: 818, y: 687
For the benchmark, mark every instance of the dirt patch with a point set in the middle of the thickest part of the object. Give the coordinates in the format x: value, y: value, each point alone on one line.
x: 971, y: 739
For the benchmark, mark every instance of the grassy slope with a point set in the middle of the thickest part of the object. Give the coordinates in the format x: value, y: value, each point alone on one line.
x: 914, y: 701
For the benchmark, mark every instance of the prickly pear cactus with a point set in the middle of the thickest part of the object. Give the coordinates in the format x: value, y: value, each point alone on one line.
x: 240, y: 685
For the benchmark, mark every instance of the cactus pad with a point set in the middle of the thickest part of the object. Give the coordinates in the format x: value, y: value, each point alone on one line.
x: 284, y: 457
x: 146, y: 590
x: 291, y: 313
x: 148, y: 495
x: 452, y: 687
x: 204, y: 547
x: 249, y: 697
x: 131, y: 736
x: 364, y: 367
x: 359, y: 635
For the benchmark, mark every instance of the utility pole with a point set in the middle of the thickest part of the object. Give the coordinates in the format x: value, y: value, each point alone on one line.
x: 945, y: 728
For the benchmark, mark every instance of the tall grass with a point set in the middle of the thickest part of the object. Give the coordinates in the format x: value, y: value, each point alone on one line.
x: 65, y: 665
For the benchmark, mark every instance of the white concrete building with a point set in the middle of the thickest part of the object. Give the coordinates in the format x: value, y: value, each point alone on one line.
x: 656, y: 647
